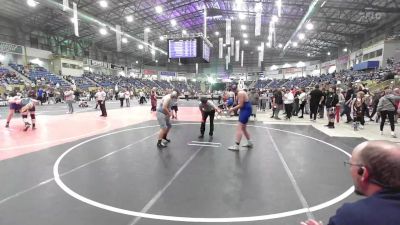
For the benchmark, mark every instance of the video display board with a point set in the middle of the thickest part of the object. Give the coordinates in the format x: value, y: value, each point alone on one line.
x: 184, y: 48
x: 206, y: 52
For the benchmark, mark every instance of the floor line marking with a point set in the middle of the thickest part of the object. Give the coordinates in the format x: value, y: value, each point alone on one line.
x: 110, y: 208
x: 204, y: 145
x: 205, y: 142
x: 72, y: 170
x: 155, y: 198
x: 296, y: 187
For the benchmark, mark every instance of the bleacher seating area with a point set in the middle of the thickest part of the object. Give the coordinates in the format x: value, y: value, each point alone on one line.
x: 17, y: 67
x: 343, y: 77
x: 180, y: 85
x: 102, y: 80
x: 41, y: 76
x: 82, y: 82
x: 9, y: 78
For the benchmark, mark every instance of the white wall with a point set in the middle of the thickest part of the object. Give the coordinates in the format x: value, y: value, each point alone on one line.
x: 71, y: 71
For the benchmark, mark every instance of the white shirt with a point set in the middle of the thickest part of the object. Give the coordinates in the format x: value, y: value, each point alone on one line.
x: 127, y: 94
x: 302, y: 97
x: 101, y: 96
x: 288, y: 98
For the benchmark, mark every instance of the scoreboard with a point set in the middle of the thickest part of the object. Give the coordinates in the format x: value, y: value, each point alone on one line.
x: 182, y: 48
x: 189, y: 50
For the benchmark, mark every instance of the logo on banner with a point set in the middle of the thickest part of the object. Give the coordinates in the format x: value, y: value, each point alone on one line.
x: 7, y: 47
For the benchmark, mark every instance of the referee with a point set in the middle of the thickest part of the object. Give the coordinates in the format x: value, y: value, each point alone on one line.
x: 207, y: 108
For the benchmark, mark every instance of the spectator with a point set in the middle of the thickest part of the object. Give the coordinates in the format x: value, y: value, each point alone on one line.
x: 375, y: 170
x: 387, y: 109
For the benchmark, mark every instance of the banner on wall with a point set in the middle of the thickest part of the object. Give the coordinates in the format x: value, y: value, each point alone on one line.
x: 150, y: 72
x: 292, y: 70
x: 11, y: 48
x: 343, y: 59
x: 167, y: 73
x: 93, y: 62
x: 117, y: 67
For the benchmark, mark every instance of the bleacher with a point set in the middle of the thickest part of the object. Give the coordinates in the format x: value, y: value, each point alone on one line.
x: 180, y: 85
x: 82, y: 82
x: 9, y: 78
x: 41, y: 76
x: 163, y: 84
x: 17, y: 67
x: 102, y: 80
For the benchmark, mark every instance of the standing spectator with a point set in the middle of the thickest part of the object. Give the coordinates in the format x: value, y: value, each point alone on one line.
x: 277, y: 104
x: 316, y: 98
x: 101, y: 100
x: 288, y: 100
x: 375, y: 171
x: 302, y: 101
x: 332, y: 100
x: 347, y: 105
x: 387, y: 109
x: 40, y: 96
x: 254, y: 99
x: 153, y: 99
x: 121, y: 97
x: 296, y: 104
x: 69, y: 99
x: 127, y: 98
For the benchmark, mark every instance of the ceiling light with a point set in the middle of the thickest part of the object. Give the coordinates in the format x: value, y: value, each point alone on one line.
x: 129, y: 19
x: 156, y: 61
x: 72, y: 20
x: 268, y: 44
x: 159, y: 9
x: 147, y: 29
x: 246, y: 42
x: 345, y: 50
x: 301, y: 36
x: 173, y: 22
x: 124, y: 40
x: 295, y: 44
x: 269, y: 38
x: 286, y: 65
x: 137, y: 62
x: 280, y: 45
x: 140, y: 46
x: 274, y: 18
x: 243, y: 27
x: 242, y: 16
x: 322, y: 5
x: 2, y: 57
x: 184, y: 32
x: 103, y: 3
x: 259, y: 48
x: 309, y: 26
x: 161, y: 38
x: 308, y: 54
x: 245, y: 35
x: 103, y: 31
x: 329, y: 53
x: 32, y: 3
x: 216, y: 33
x: 224, y: 45
x: 300, y: 64
x: 153, y: 52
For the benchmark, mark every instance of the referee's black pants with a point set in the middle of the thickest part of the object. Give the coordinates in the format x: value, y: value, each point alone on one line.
x: 102, y: 105
x: 204, y: 120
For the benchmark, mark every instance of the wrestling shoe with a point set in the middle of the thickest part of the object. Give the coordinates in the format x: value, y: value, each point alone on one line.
x: 234, y: 148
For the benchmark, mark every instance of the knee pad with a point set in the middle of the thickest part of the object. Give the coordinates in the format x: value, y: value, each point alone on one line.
x: 33, y: 116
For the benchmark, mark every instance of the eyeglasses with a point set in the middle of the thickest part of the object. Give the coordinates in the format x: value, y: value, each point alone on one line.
x: 346, y: 163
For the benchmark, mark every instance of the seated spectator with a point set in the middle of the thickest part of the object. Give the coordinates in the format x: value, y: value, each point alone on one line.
x: 375, y: 170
